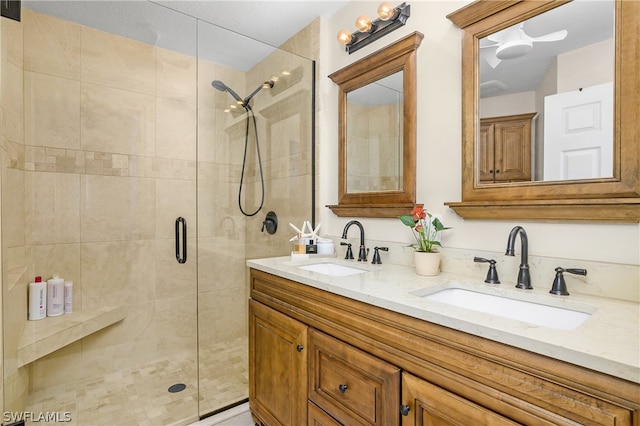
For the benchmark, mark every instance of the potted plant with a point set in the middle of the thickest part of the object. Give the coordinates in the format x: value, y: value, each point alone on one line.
x: 426, y: 229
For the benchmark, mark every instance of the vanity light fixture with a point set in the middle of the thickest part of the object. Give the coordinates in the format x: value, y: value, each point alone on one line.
x: 389, y: 19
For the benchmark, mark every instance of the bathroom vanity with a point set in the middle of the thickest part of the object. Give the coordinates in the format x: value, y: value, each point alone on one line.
x: 367, y: 347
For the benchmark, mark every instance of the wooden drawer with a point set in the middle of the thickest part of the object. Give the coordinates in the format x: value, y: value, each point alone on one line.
x: 318, y: 417
x: 352, y: 386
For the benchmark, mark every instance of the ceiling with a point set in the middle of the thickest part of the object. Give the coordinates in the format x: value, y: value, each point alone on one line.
x: 243, y: 31
x: 586, y: 21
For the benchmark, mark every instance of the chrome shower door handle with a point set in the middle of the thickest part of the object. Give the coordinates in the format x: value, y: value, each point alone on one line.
x: 181, y: 231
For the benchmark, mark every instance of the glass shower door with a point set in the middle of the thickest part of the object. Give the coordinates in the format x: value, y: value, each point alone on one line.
x: 98, y: 162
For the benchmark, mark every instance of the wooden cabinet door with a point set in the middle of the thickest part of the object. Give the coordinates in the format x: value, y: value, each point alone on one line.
x: 512, y: 144
x: 277, y: 367
x: 486, y: 155
x: 354, y: 387
x: 504, y: 152
x: 424, y: 404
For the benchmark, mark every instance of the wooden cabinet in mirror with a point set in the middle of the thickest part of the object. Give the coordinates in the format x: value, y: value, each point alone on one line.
x: 613, y: 195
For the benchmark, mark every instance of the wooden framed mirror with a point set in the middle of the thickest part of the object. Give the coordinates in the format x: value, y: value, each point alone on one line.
x: 377, y: 132
x: 611, y: 194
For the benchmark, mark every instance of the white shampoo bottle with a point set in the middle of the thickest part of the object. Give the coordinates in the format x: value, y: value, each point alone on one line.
x: 37, y: 299
x: 68, y: 297
x: 55, y: 297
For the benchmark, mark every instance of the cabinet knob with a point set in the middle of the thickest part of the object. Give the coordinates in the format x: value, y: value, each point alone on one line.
x: 497, y: 171
x: 343, y: 388
x: 404, y: 410
x: 299, y: 348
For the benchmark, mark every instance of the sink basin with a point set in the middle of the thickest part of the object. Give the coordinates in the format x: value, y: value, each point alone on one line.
x: 529, y: 312
x: 332, y: 269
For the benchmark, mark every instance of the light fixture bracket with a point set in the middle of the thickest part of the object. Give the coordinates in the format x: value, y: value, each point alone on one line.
x: 379, y: 28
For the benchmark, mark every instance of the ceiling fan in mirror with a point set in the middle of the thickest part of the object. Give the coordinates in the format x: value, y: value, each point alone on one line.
x: 513, y: 42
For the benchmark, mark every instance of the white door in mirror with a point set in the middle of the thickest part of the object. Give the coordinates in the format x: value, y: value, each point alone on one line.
x: 578, y: 134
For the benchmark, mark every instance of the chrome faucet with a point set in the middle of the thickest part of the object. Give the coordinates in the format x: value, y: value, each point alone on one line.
x: 524, y: 278
x: 362, y: 253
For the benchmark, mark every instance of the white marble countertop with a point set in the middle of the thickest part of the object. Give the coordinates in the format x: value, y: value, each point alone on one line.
x: 608, y: 341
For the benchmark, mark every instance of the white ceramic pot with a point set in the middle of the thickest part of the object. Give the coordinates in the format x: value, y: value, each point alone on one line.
x: 427, y: 263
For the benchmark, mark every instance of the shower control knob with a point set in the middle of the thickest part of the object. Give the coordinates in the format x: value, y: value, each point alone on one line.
x: 270, y: 223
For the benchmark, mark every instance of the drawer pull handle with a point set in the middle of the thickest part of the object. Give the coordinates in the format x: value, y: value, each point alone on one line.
x: 299, y: 348
x: 342, y: 388
x: 404, y: 410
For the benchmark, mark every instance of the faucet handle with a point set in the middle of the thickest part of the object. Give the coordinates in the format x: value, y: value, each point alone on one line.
x: 376, y: 255
x: 492, y: 273
x: 349, y: 254
x: 559, y: 286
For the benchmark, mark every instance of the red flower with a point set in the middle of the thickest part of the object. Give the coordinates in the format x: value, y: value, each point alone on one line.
x: 418, y: 213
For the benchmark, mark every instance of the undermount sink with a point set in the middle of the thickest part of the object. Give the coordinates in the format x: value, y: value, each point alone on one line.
x: 528, y: 312
x: 332, y: 269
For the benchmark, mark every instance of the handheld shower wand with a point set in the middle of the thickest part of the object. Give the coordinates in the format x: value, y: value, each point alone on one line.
x: 219, y: 85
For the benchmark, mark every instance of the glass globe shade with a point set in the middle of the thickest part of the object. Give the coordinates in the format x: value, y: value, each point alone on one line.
x: 363, y: 23
x: 344, y: 36
x: 386, y: 11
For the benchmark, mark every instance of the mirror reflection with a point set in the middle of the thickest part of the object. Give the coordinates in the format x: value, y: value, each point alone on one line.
x: 375, y: 136
x: 546, y: 96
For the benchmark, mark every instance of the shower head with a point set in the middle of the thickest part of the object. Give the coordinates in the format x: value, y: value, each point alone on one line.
x: 266, y: 85
x: 217, y: 84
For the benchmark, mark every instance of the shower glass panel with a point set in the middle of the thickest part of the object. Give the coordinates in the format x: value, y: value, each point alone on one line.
x: 279, y: 179
x: 100, y: 166
x: 110, y: 134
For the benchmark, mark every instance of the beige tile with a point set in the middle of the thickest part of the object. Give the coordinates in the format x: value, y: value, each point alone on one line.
x: 58, y: 368
x: 207, y: 95
x: 52, y: 205
x: 12, y: 36
x: 117, y: 62
x: 173, y: 279
x: 117, y: 208
x: 13, y: 210
x: 218, y: 143
x: 117, y: 273
x: 12, y: 101
x: 225, y: 314
x: 177, y: 320
x: 52, y: 111
x: 218, y: 210
x: 175, y: 76
x: 175, y: 129
x: 51, y: 45
x: 117, y: 121
x: 175, y: 198
x: 220, y: 264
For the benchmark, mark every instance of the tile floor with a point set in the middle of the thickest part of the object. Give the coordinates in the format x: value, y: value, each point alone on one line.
x: 138, y: 395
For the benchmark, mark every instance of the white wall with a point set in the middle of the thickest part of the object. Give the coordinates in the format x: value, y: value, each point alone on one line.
x: 439, y: 147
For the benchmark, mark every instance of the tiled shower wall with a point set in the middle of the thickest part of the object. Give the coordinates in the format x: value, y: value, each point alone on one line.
x: 98, y: 161
x: 108, y: 163
x: 13, y: 211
